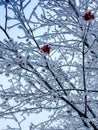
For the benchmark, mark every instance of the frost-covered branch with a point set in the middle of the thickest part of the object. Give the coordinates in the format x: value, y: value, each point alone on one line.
x: 49, y: 59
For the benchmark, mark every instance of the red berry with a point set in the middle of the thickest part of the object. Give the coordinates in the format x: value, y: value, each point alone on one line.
x: 88, y: 16
x: 46, y: 49
x: 92, y: 16
x: 19, y: 56
x: 54, y: 96
x: 23, y: 64
x: 8, y: 65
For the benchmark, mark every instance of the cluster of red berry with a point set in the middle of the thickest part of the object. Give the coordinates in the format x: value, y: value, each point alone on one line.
x: 88, y: 16
x: 46, y: 49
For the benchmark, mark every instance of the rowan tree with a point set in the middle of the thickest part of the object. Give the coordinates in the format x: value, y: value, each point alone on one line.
x: 50, y: 53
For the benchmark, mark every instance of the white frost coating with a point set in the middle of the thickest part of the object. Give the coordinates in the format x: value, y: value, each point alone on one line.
x: 61, y: 80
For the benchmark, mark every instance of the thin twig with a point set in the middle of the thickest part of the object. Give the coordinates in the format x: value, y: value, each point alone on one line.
x: 5, y: 32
